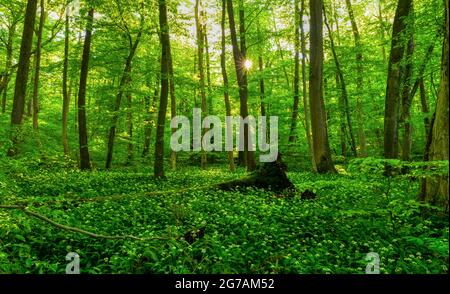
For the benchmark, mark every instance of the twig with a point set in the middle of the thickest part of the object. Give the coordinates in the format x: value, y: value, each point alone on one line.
x: 74, y: 229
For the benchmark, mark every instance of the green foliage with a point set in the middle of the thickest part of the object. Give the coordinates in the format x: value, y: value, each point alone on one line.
x: 250, y: 231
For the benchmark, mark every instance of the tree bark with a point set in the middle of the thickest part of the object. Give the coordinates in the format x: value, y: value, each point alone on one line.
x: 66, y: 95
x: 407, y: 100
x: 201, y: 70
x: 292, y: 133
x: 124, y: 82
x: 22, y: 75
x: 173, y: 109
x: 163, y: 101
x: 223, y: 66
x: 85, y: 163
x: 321, y: 147
x: 344, y: 94
x: 37, y: 67
x: 239, y: 59
x: 304, y: 87
x: 9, y: 52
x: 391, y: 108
x: 151, y: 110
x: 359, y: 81
x: 436, y: 188
x: 130, y: 128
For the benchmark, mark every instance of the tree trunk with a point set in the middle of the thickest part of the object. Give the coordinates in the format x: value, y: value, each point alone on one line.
x: 9, y: 52
x: 304, y: 92
x: 345, y: 105
x: 130, y: 128
x: 407, y: 100
x: 436, y: 188
x: 225, y: 80
x: 392, y: 102
x: 173, y: 110
x: 321, y: 147
x: 201, y: 71
x: 359, y: 81
x: 22, y: 75
x: 425, y: 109
x: 37, y: 67
x: 124, y: 82
x: 66, y: 95
x: 151, y: 110
x: 239, y: 59
x: 292, y: 134
x: 82, y: 124
x: 382, y: 30
x: 208, y: 66
x: 163, y: 101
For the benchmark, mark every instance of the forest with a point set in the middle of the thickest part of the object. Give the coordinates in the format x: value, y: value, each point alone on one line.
x: 119, y: 154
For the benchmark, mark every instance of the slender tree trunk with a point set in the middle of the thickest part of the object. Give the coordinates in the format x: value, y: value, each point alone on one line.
x: 293, y: 135
x: 201, y: 71
x: 208, y: 66
x: 239, y: 59
x: 223, y: 66
x: 9, y: 52
x: 66, y: 94
x: 37, y: 67
x: 130, y: 128
x: 22, y: 76
x: 382, y: 30
x: 163, y: 101
x: 304, y: 87
x: 151, y: 111
x: 425, y: 109
x: 436, y: 188
x: 345, y: 105
x: 173, y: 110
x: 321, y: 147
x: 407, y: 100
x: 124, y: 83
x: 359, y: 81
x: 392, y: 102
x: 85, y: 162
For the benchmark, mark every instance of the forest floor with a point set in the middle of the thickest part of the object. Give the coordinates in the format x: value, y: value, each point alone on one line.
x: 201, y: 230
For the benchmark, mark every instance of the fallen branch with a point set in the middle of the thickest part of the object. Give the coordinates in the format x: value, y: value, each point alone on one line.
x: 74, y: 229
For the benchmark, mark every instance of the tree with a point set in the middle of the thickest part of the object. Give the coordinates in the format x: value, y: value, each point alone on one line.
x: 22, y: 75
x: 435, y: 190
x: 124, y: 83
x: 201, y: 72
x: 223, y: 66
x: 344, y: 104
x: 165, y: 59
x: 359, y: 80
x: 85, y: 162
x: 293, y: 136
x: 391, y: 108
x: 321, y: 147
x: 37, y: 66
x: 14, y: 17
x: 304, y: 87
x: 239, y: 60
x: 65, y: 92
